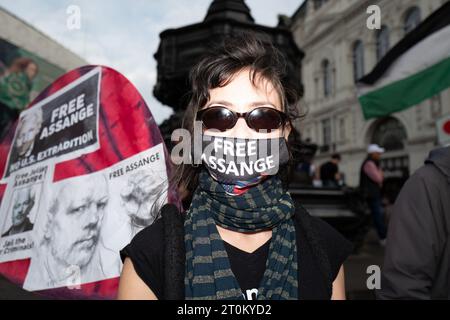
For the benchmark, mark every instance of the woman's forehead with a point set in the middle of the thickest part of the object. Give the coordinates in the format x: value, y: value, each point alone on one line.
x: 240, y: 90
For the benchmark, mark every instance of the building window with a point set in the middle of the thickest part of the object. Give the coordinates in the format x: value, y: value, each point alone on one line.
x: 326, y: 135
x: 390, y: 134
x: 326, y: 74
x: 382, y: 40
x: 316, y: 88
x: 342, y: 132
x: 358, y: 60
x: 319, y: 3
x: 308, y: 134
x: 436, y: 106
x: 412, y: 19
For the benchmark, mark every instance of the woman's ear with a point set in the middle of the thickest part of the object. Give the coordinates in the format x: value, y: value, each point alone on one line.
x: 287, y: 130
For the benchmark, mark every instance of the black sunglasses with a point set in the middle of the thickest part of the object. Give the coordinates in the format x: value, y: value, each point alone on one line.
x: 222, y: 118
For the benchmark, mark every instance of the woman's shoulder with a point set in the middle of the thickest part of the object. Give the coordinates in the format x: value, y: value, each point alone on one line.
x: 146, y: 252
x: 148, y: 240
x: 331, y: 237
x: 156, y: 250
x: 335, y: 245
x: 152, y: 239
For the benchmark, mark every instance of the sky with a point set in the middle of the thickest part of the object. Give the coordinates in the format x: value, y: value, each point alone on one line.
x: 124, y: 34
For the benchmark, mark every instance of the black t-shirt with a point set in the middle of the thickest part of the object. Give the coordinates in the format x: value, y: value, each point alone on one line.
x: 328, y: 171
x: 147, y: 254
x: 248, y: 268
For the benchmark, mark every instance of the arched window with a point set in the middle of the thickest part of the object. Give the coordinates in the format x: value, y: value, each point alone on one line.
x: 358, y: 60
x: 390, y: 133
x: 412, y: 19
x: 382, y: 40
x: 326, y: 74
x: 319, y: 3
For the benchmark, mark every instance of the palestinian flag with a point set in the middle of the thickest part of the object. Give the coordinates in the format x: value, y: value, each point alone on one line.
x: 416, y: 69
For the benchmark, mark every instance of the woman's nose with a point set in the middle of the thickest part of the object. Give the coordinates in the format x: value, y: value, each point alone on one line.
x: 241, y: 130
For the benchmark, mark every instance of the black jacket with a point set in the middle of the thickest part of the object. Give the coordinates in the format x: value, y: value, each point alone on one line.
x: 369, y: 189
x: 417, y: 260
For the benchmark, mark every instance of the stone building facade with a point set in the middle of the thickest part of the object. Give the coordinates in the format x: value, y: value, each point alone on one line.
x: 23, y: 35
x: 339, y: 49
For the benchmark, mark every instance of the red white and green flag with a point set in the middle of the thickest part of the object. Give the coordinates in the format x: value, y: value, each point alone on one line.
x: 416, y: 69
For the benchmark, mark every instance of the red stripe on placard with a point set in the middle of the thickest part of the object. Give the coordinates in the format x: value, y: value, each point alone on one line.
x: 15, y: 271
x: 446, y: 127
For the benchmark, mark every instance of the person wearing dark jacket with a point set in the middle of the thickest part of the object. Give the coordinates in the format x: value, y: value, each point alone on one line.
x: 417, y: 260
x: 329, y: 172
x: 370, y: 184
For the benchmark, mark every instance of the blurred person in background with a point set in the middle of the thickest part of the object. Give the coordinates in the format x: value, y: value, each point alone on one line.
x: 370, y: 184
x: 329, y: 172
x: 417, y: 260
x: 306, y: 169
x: 15, y: 87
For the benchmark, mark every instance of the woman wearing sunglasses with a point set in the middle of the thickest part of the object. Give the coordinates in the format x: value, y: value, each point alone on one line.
x: 243, y: 236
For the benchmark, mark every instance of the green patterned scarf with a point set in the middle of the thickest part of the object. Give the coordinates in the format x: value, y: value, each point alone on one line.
x: 265, y: 206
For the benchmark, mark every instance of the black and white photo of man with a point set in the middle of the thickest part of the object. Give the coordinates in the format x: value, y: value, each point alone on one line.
x: 27, y: 130
x: 71, y: 235
x: 23, y: 202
